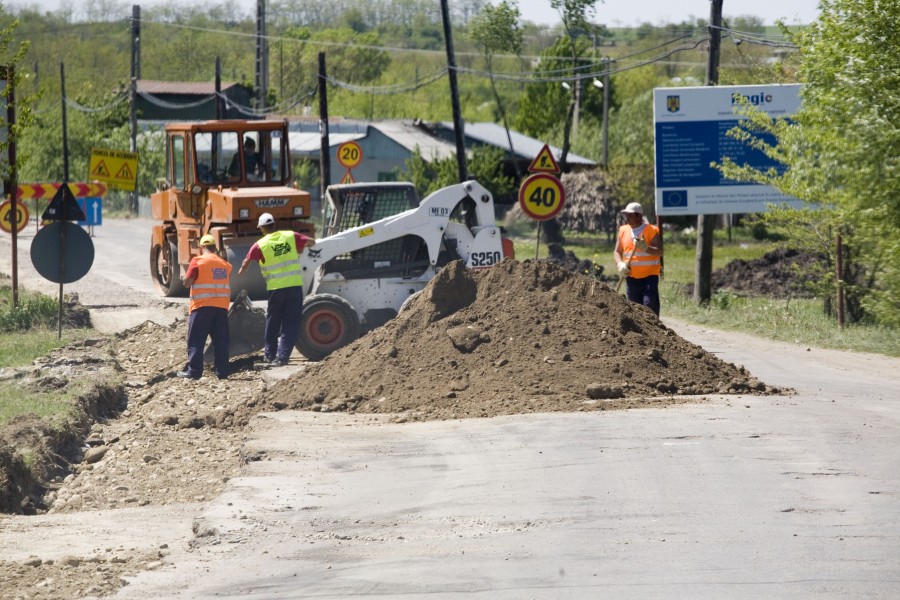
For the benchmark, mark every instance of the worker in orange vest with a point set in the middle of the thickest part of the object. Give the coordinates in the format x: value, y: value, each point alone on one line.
x: 643, y: 245
x: 208, y: 278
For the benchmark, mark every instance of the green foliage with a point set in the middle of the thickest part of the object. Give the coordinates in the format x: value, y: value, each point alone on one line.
x: 485, y: 167
x: 32, y: 310
x: 843, y: 151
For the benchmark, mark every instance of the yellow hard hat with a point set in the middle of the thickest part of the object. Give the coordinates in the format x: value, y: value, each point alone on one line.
x: 207, y: 240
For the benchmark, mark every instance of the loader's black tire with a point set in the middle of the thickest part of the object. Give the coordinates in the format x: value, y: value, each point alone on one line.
x: 165, y: 271
x: 328, y: 323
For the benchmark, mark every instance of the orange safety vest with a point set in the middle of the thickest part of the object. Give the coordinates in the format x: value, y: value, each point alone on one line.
x: 643, y: 264
x: 211, y: 286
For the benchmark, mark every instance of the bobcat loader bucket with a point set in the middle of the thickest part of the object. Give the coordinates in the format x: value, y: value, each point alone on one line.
x: 246, y: 325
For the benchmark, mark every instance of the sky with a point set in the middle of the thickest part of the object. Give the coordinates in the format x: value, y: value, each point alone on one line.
x: 611, y: 12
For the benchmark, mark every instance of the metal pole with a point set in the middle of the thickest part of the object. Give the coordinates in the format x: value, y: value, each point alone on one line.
x: 454, y: 96
x: 605, y: 156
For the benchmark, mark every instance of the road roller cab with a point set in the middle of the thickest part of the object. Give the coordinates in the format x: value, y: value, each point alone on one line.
x: 220, y: 177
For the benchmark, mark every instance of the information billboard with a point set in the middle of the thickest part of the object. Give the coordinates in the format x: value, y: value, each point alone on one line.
x: 691, y: 125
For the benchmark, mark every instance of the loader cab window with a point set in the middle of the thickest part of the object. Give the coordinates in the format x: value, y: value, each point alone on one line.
x: 215, y: 152
x: 177, y: 162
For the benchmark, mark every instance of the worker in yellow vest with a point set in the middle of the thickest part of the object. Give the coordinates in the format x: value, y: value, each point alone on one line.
x: 278, y: 253
x: 642, y: 244
x: 208, y: 278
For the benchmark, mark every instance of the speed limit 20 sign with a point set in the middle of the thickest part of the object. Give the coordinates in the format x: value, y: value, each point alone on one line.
x: 349, y: 154
x: 542, y: 196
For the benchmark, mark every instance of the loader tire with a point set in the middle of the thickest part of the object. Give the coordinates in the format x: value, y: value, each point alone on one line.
x: 328, y: 323
x: 165, y: 270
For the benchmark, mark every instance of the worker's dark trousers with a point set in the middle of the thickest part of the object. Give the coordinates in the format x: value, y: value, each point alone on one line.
x: 283, y: 322
x: 208, y: 321
x: 644, y: 291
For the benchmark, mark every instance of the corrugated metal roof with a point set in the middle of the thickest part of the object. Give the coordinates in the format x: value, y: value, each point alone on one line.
x: 409, y: 136
x: 200, y: 88
x: 310, y: 142
x: 525, y: 147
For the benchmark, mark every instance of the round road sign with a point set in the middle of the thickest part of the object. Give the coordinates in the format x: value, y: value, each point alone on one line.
x: 76, y: 257
x: 7, y: 220
x: 542, y: 196
x: 349, y: 154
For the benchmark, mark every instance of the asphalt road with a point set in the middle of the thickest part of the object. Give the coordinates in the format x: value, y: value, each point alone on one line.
x: 796, y: 496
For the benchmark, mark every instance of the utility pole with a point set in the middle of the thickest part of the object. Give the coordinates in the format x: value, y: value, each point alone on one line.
x: 262, y: 56
x: 706, y: 223
x: 454, y: 96
x: 135, y: 76
x: 605, y: 138
x: 325, y: 146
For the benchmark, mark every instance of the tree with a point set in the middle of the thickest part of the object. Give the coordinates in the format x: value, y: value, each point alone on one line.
x: 842, y: 148
x: 574, y: 15
x: 498, y: 30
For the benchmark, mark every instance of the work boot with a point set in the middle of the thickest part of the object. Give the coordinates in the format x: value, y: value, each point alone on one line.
x: 185, y: 375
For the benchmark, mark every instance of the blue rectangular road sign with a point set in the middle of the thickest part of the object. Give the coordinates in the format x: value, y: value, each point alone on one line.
x: 691, y: 125
x: 93, y: 210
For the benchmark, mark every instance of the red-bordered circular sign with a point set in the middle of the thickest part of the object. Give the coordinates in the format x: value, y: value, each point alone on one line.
x: 8, y: 220
x: 542, y: 196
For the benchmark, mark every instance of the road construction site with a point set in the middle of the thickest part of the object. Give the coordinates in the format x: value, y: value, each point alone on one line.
x: 521, y: 432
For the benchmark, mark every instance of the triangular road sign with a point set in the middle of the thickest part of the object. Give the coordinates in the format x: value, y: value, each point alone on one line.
x: 348, y: 177
x: 63, y: 207
x: 544, y: 162
x: 101, y: 170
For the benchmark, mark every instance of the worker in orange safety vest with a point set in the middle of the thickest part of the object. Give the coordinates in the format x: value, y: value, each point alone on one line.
x: 208, y: 278
x: 642, y: 244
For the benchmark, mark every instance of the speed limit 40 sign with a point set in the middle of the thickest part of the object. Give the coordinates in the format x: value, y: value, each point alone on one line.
x: 10, y: 219
x: 542, y: 196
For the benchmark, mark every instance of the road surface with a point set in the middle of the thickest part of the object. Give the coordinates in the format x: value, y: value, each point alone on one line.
x: 795, y: 496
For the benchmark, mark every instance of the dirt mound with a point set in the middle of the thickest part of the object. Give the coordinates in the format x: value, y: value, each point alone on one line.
x: 781, y: 273
x: 520, y: 337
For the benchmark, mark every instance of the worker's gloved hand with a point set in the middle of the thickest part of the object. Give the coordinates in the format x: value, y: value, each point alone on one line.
x: 624, y: 269
x: 640, y: 244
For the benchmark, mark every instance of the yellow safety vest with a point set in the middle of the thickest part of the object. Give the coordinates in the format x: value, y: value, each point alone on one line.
x: 281, y: 268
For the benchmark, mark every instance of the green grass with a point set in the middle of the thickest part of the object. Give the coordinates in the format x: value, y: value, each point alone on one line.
x: 795, y: 321
x: 26, y: 334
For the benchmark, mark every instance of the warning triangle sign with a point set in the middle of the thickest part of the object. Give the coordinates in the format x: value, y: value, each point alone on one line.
x: 125, y: 173
x: 63, y: 207
x: 101, y: 170
x: 544, y: 162
x: 348, y: 177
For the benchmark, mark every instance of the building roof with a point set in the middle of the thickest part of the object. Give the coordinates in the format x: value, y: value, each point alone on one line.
x: 409, y: 136
x: 524, y: 146
x: 199, y: 88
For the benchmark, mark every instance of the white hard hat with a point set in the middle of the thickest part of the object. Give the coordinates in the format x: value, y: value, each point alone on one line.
x: 633, y: 207
x: 265, y: 219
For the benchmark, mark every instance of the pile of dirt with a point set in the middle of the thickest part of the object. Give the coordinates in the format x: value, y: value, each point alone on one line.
x: 781, y: 273
x: 520, y: 337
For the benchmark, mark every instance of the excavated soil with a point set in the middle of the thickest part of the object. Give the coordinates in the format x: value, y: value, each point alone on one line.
x: 781, y: 273
x: 521, y: 337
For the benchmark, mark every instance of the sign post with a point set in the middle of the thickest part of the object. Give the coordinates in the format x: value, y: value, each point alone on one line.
x: 349, y: 154
x: 73, y: 255
x: 541, y: 195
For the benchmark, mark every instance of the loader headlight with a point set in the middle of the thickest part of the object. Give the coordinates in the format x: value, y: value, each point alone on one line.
x: 244, y: 213
x: 298, y: 211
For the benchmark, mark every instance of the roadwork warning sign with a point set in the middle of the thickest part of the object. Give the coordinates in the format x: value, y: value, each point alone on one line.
x: 116, y: 168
